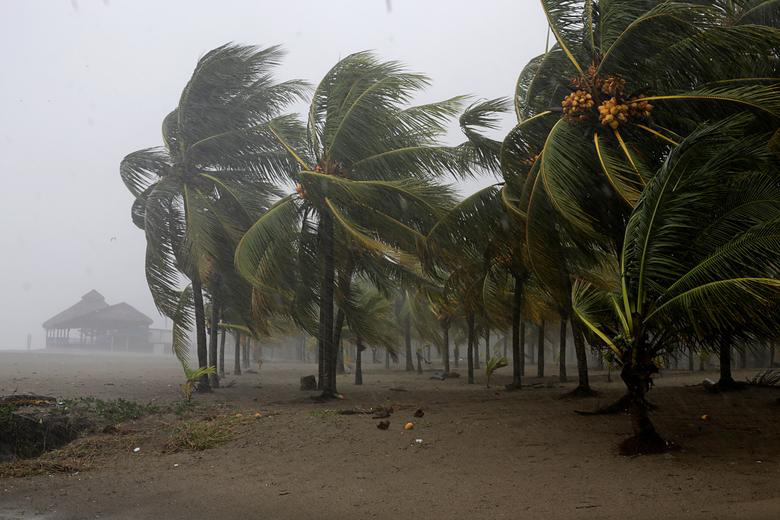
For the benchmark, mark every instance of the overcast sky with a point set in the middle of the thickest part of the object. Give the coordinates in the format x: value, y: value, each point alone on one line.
x: 84, y: 82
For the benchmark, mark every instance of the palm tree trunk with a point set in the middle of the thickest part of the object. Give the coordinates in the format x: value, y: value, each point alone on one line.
x: 583, y: 385
x: 456, y: 354
x: 213, y: 331
x: 222, y: 351
x: 476, y: 350
x: 772, y: 354
x: 329, y: 353
x: 487, y: 344
x: 690, y: 359
x: 522, y: 347
x: 321, y: 362
x: 518, y: 363
x: 408, y: 344
x: 237, y: 355
x: 562, y: 355
x: 359, y: 361
x: 419, y: 362
x: 470, y: 348
x: 445, y: 348
x: 540, y: 351
x: 337, y: 341
x: 387, y: 359
x: 638, y: 380
x: 247, y: 349
x: 200, y: 331
x: 726, y: 380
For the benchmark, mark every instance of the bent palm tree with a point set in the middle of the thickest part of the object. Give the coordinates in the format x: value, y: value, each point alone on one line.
x: 625, y: 82
x: 364, y: 185
x: 219, y: 152
x: 699, y: 259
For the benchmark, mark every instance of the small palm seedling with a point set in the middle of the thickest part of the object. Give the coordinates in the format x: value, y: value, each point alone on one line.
x: 192, y: 376
x: 493, y: 364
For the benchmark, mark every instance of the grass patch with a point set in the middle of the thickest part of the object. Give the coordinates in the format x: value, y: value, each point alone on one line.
x: 112, y: 411
x: 205, y: 433
x: 324, y: 414
x: 183, y: 407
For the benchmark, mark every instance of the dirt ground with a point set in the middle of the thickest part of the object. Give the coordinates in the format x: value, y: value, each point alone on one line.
x: 483, y: 453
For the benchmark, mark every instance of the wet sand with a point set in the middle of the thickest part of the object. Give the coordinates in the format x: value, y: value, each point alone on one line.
x: 484, y: 453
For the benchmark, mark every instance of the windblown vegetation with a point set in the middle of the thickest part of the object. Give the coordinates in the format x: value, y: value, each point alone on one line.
x: 636, y: 200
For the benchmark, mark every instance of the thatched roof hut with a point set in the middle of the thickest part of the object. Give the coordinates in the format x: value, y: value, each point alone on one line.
x: 116, y: 327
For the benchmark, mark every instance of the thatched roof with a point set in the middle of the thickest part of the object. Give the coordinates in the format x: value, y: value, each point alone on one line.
x: 90, y: 302
x: 92, y: 312
x: 119, y: 316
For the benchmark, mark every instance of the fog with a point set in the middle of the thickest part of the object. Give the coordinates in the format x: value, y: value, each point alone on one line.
x: 86, y: 82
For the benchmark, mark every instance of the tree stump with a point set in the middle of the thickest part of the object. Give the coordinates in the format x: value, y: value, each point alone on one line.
x: 308, y: 383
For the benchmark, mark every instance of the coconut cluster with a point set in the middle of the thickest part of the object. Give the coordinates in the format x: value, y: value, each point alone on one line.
x: 613, y: 113
x: 616, y: 110
x: 613, y: 86
x: 578, y: 105
x: 639, y: 109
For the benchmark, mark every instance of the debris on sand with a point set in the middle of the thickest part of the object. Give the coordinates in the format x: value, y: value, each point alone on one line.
x: 409, y: 426
x: 382, y: 413
x: 383, y: 425
x: 419, y: 413
x: 441, y: 376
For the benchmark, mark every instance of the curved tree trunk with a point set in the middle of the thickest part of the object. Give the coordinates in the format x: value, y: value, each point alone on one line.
x: 562, y: 353
x: 408, y: 344
x: 213, y: 332
x: 237, y: 355
x: 518, y: 361
x: 445, y: 349
x: 540, y: 351
x: 359, y: 361
x: 638, y: 380
x: 583, y: 385
x: 470, y: 348
x: 200, y: 331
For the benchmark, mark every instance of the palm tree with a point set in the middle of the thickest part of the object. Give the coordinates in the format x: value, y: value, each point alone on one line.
x: 699, y: 259
x: 364, y: 184
x: 624, y: 81
x: 219, y: 152
x: 599, y: 112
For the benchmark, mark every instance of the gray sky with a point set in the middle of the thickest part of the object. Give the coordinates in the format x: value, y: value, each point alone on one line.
x: 84, y: 82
